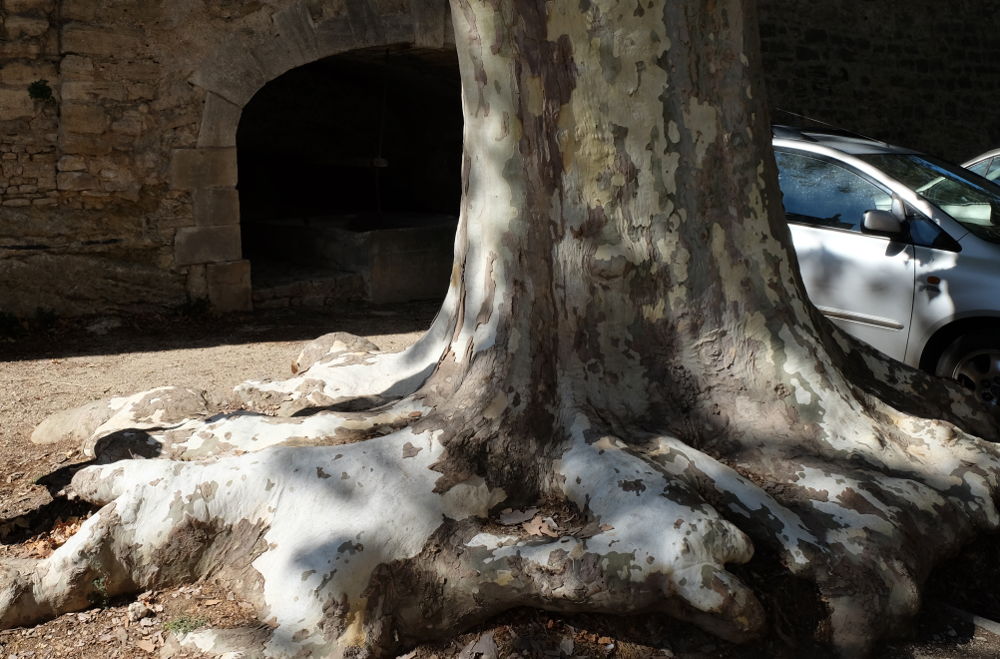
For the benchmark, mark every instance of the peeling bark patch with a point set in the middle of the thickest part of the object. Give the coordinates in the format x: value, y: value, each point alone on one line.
x: 636, y: 486
x: 853, y: 499
x: 350, y: 548
x: 702, y: 120
x: 409, y: 450
x: 321, y: 474
x: 206, y: 491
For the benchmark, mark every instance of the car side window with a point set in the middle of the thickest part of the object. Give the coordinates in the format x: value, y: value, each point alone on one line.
x: 925, y: 233
x: 981, y: 167
x: 994, y: 171
x: 822, y: 193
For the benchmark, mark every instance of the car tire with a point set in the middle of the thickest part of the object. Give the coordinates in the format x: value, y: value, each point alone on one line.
x: 974, y: 361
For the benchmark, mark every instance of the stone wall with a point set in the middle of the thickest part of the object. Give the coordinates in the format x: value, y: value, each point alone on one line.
x: 118, y: 192
x: 921, y: 74
x: 118, y: 173
x: 92, y: 102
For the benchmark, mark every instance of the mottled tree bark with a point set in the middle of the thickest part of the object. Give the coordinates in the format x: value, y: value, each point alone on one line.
x: 625, y: 334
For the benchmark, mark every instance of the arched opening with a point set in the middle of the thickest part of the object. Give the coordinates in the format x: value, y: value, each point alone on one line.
x: 349, y: 178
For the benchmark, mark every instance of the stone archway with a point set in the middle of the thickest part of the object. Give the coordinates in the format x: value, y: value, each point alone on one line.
x: 244, y: 63
x: 350, y: 171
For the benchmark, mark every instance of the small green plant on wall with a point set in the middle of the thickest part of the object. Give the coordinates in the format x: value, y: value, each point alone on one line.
x: 40, y: 90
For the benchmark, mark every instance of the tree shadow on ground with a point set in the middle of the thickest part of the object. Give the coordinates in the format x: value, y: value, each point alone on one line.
x: 103, y: 335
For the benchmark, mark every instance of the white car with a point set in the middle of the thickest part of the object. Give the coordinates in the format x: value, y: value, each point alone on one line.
x: 898, y: 248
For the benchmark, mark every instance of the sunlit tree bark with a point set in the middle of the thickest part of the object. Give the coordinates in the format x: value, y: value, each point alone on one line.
x: 625, y: 334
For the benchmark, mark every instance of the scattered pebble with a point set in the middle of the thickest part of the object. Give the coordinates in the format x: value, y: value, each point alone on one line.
x: 138, y: 611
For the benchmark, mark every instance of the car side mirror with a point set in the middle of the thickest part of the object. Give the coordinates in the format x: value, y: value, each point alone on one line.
x: 883, y: 223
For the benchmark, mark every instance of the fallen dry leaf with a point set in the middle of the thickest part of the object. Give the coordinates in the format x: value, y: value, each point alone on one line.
x: 509, y: 516
x: 542, y: 526
x: 44, y: 545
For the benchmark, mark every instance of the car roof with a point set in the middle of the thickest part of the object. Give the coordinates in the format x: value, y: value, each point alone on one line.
x: 992, y: 153
x: 834, y: 138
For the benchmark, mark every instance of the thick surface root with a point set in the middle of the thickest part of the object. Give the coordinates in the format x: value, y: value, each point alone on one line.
x: 336, y: 524
x: 307, y: 531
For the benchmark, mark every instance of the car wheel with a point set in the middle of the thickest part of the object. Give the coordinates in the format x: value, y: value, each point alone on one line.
x: 974, y: 361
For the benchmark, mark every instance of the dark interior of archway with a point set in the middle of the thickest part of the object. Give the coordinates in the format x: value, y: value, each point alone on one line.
x: 349, y: 159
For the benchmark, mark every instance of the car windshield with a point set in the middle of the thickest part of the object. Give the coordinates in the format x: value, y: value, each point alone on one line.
x: 970, y: 199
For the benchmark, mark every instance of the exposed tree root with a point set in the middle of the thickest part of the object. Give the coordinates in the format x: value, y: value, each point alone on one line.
x: 328, y: 525
x: 338, y: 369
x: 252, y: 519
x: 914, y: 392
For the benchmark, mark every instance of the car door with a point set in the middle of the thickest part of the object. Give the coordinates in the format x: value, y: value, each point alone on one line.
x: 862, y: 282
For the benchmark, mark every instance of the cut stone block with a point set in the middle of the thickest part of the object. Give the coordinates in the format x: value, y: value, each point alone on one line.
x: 15, y: 103
x: 21, y: 27
x: 203, y: 168
x: 219, y: 121
x: 229, y: 286
x: 216, y: 206
x: 87, y: 40
x: 29, y: 6
x: 24, y: 73
x: 75, y: 181
x: 83, y: 118
x: 206, y: 245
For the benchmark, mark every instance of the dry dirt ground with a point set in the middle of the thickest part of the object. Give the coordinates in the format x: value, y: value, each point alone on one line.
x: 54, y: 365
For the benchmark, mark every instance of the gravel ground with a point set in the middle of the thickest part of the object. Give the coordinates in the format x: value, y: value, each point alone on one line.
x: 65, y: 364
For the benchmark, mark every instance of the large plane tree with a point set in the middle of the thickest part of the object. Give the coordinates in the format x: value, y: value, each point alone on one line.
x: 625, y: 335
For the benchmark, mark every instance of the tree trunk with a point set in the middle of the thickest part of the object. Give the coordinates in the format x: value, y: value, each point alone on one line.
x: 626, y: 337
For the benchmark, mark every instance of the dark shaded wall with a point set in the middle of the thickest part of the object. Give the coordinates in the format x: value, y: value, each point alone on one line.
x: 921, y: 74
x: 363, y: 132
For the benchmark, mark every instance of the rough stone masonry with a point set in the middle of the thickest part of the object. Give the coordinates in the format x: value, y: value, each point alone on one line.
x: 118, y: 120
